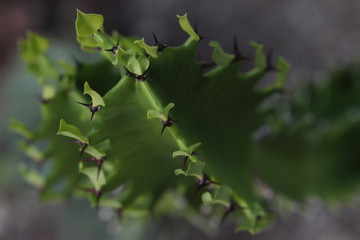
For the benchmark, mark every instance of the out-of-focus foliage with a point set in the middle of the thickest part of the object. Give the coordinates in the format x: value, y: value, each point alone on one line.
x: 312, y: 149
x: 164, y: 124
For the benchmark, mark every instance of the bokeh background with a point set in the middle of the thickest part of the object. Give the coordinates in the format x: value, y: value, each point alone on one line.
x: 312, y: 34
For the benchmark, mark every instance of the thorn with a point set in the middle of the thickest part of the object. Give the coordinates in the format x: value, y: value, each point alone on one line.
x: 92, y: 109
x: 205, y: 181
x: 96, y: 193
x: 163, y: 128
x: 196, y: 26
x: 83, y: 147
x: 196, y: 30
x: 82, y: 144
x: 238, y: 55
x: 84, y: 104
x: 269, y: 66
x: 196, y: 192
x: 114, y: 49
x: 184, y: 162
x: 129, y: 74
x: 229, y: 209
x: 99, y: 164
x: 197, y: 155
x: 159, y: 45
x: 92, y: 115
x: 208, y: 65
x: 168, y: 123
x: 142, y: 77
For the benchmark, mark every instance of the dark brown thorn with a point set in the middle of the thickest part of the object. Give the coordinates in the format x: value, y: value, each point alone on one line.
x: 129, y: 74
x: 184, y: 162
x: 114, y: 49
x: 238, y: 55
x: 84, y: 104
x: 142, y: 77
x: 82, y: 144
x: 163, y: 128
x: 196, y: 25
x: 208, y: 65
x: 159, y: 45
x: 168, y: 123
x: 198, y: 187
x: 83, y: 147
x: 99, y: 165
x: 197, y: 155
x: 96, y: 193
x: 269, y: 66
x: 205, y: 181
x: 229, y: 209
x: 92, y: 109
x: 196, y: 31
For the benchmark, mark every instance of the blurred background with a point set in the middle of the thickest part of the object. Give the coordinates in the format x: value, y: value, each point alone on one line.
x: 311, y: 35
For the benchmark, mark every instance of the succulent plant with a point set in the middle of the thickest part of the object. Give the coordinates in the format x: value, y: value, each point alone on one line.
x: 149, y: 125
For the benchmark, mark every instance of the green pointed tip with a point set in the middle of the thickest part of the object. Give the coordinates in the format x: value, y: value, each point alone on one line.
x: 94, y: 152
x: 221, y: 58
x: 92, y: 173
x: 20, y: 128
x: 151, y: 50
x: 31, y: 151
x: 33, y: 46
x: 138, y: 65
x: 71, y: 131
x: 167, y: 109
x: 193, y: 147
x: 180, y: 153
x: 31, y: 176
x: 97, y: 100
x: 194, y: 169
x: 163, y: 115
x: 88, y: 24
x: 260, y: 59
x: 186, y: 26
x: 155, y: 114
x: 283, y: 68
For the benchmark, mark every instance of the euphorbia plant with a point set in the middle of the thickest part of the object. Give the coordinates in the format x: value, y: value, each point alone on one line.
x: 162, y: 126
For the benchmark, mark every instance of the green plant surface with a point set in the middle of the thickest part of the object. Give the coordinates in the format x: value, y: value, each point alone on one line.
x: 316, y: 150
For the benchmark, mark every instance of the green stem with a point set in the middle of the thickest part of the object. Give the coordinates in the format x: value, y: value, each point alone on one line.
x: 155, y: 103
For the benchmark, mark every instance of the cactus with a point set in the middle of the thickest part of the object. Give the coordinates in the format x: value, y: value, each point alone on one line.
x: 164, y: 124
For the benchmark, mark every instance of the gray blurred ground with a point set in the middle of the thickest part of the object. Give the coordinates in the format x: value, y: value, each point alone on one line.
x: 312, y: 35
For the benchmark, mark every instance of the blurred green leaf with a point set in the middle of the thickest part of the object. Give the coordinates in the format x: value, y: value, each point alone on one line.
x: 186, y: 26
x: 88, y: 24
x: 71, y: 131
